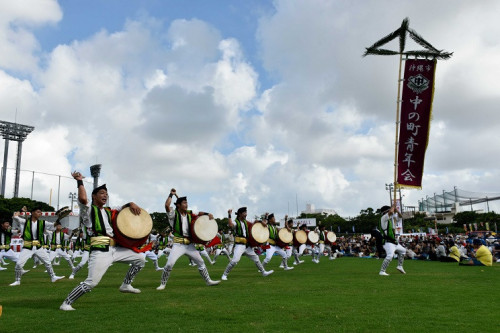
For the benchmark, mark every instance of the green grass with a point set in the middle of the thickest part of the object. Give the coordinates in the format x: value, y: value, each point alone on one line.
x: 345, y: 295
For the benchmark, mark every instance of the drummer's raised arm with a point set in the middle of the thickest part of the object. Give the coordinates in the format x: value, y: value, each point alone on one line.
x: 264, y: 219
x: 82, y: 194
x: 229, y: 220
x: 169, y: 200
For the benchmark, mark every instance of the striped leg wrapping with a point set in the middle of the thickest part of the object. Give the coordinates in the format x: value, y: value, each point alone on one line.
x: 401, y: 259
x: 165, y: 275
x: 76, y: 293
x: 259, y: 266
x: 385, y: 264
x: 70, y: 262
x: 19, y: 272
x: 50, y: 270
x: 76, y: 269
x: 204, y: 274
x: 132, y: 272
x: 284, y: 261
x: 229, y: 267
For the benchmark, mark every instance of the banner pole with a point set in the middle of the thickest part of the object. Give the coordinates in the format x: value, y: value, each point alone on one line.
x: 397, y: 129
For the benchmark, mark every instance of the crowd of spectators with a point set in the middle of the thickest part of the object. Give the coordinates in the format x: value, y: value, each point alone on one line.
x: 421, y: 247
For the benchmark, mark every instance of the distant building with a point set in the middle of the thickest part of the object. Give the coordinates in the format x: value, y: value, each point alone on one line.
x: 310, y: 209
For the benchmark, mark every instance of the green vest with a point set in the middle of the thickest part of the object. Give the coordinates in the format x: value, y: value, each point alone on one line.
x: 239, y: 229
x: 273, y: 233
x: 7, y: 235
x: 388, y: 233
x: 98, y: 226
x: 178, y: 224
x: 28, y: 235
x: 162, y: 242
x: 53, y: 242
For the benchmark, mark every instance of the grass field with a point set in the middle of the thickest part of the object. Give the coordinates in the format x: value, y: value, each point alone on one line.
x: 344, y: 295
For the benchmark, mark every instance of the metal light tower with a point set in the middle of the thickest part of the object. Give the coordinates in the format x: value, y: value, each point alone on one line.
x: 73, y: 197
x: 95, y: 171
x: 14, y: 132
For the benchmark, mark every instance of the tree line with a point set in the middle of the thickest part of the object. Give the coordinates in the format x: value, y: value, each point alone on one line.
x: 364, y: 222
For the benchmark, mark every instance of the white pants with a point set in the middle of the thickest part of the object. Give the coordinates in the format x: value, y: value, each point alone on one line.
x: 99, y: 262
x: 274, y: 249
x: 182, y: 249
x: 60, y: 253
x: 166, y: 252
x: 9, y: 254
x: 85, y: 258
x: 76, y: 254
x: 25, y: 254
x: 218, y: 252
x: 391, y: 248
x: 150, y: 255
x: 242, y: 249
x: 230, y: 248
x: 205, y: 254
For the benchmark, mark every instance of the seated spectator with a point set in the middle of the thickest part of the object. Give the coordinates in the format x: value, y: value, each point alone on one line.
x: 454, y: 255
x: 440, y: 249
x: 483, y: 256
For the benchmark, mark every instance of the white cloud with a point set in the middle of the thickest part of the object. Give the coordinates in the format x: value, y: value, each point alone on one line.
x: 180, y: 106
x: 17, y: 18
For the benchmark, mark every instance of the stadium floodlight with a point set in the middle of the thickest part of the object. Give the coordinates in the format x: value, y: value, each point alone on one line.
x: 13, y: 132
x: 95, y: 171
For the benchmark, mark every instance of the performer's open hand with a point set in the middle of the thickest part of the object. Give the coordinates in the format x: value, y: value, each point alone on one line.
x: 173, y: 192
x: 210, y: 216
x: 136, y: 210
x: 229, y: 211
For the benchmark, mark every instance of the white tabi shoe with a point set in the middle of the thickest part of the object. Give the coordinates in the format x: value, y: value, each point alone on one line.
x: 55, y: 278
x: 289, y: 268
x: 158, y: 269
x: 24, y: 271
x: 161, y: 287
x: 66, y: 307
x: 383, y: 274
x: 17, y: 283
x: 400, y: 268
x: 127, y: 288
x: 212, y: 282
x: 224, y: 278
x: 72, y: 276
x: 267, y: 273
x: 281, y: 266
x: 3, y: 268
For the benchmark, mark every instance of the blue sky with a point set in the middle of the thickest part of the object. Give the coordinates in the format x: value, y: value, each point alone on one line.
x: 262, y: 104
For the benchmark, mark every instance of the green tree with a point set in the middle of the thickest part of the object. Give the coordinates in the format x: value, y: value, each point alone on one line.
x: 9, y: 206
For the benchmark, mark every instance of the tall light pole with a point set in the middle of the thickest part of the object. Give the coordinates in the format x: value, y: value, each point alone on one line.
x: 95, y: 171
x: 15, y: 132
x: 389, y: 187
x: 73, y: 197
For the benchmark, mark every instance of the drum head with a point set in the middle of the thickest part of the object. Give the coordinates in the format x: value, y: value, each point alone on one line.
x: 285, y: 236
x: 134, y: 226
x: 301, y: 236
x: 313, y: 237
x: 204, y: 228
x: 260, y: 232
x: 331, y: 236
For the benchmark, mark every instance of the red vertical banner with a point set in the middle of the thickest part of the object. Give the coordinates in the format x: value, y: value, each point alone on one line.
x: 416, y: 108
